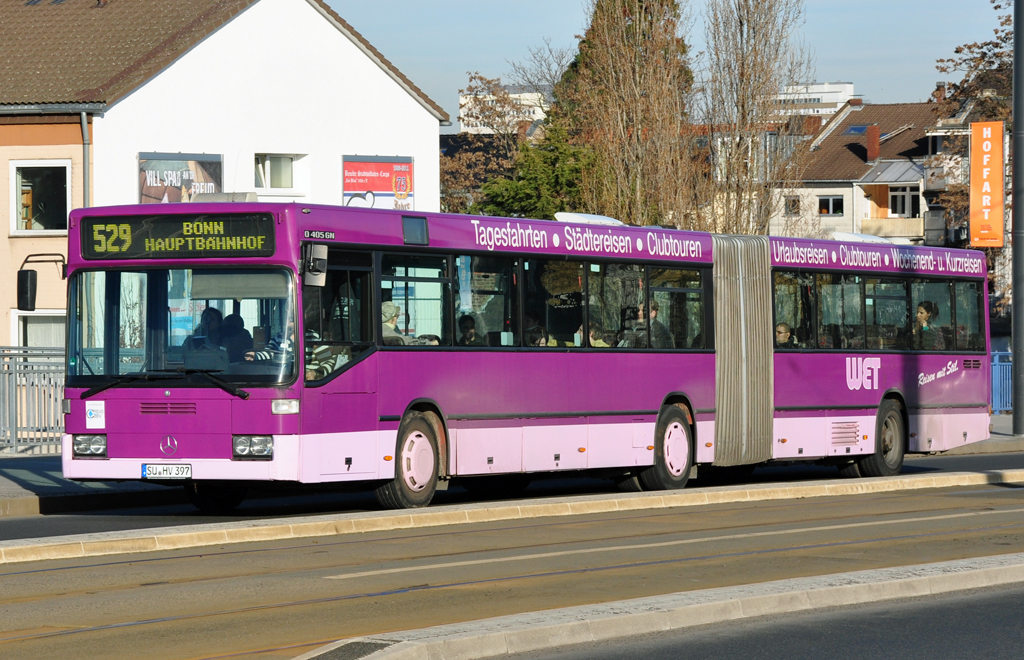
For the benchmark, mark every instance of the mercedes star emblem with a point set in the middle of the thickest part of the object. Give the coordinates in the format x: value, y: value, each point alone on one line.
x: 168, y: 445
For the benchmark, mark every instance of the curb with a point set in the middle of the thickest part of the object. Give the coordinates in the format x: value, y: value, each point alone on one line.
x: 192, y: 536
x: 999, y: 447
x: 75, y: 502
x: 539, y: 631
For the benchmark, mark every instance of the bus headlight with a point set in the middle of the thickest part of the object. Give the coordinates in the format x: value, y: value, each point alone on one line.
x: 93, y: 446
x: 253, y: 447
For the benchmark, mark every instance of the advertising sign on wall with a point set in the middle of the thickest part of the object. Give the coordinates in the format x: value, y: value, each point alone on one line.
x: 987, y: 184
x: 378, y: 182
x: 165, y: 178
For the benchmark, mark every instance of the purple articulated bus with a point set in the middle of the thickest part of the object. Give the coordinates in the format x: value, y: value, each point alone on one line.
x: 224, y: 345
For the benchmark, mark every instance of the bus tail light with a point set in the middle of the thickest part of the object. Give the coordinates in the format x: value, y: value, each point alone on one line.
x: 285, y: 407
x: 92, y: 446
x: 252, y: 447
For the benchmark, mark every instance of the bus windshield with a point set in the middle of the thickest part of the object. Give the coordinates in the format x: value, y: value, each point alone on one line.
x: 238, y: 324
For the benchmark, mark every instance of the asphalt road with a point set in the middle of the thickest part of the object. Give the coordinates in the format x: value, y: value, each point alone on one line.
x: 279, y: 599
x: 276, y: 505
x: 980, y: 624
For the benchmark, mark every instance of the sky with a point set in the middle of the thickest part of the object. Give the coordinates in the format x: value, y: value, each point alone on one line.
x: 886, y: 48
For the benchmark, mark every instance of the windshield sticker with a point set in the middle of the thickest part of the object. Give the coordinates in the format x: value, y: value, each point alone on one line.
x: 95, y: 414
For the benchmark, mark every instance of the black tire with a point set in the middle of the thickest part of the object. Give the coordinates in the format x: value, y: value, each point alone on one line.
x: 629, y: 484
x: 215, y: 498
x: 849, y: 470
x: 673, y: 451
x: 416, y: 466
x: 498, y: 486
x: 890, y: 443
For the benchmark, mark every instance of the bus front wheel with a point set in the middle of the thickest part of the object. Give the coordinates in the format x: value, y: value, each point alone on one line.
x: 890, y: 443
x: 673, y: 451
x: 415, y: 469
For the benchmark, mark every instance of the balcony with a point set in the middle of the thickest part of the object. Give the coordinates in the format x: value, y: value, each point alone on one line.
x: 893, y: 227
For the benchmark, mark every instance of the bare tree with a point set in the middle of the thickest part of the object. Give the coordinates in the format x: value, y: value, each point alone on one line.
x: 625, y: 97
x: 543, y: 69
x: 753, y: 54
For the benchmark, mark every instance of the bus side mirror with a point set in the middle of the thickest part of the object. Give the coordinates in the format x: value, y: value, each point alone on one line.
x: 27, y: 280
x: 315, y: 267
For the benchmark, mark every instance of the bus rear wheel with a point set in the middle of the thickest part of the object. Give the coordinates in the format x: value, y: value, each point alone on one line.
x: 673, y: 451
x: 416, y: 466
x: 890, y: 443
x: 214, y: 498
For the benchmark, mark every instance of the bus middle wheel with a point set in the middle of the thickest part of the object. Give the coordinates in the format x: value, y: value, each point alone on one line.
x: 673, y: 451
x: 416, y: 466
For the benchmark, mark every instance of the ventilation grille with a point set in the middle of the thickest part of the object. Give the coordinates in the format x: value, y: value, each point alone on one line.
x: 167, y: 408
x: 845, y: 433
x: 972, y: 364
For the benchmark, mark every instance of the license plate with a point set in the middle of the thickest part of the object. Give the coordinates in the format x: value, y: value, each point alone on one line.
x: 166, y: 471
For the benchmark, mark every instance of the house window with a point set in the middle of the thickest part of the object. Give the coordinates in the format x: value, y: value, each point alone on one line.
x: 830, y: 205
x: 40, y: 196
x: 41, y: 328
x: 792, y: 206
x: 274, y: 171
x: 904, y: 201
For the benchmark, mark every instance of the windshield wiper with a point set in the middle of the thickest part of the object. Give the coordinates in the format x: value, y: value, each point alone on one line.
x: 208, y: 375
x: 123, y: 380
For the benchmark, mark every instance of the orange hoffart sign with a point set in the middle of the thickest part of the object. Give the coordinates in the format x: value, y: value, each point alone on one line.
x: 987, y: 184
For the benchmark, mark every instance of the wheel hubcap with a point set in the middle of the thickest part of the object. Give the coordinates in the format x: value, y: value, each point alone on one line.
x: 890, y: 437
x: 417, y: 461
x: 676, y: 449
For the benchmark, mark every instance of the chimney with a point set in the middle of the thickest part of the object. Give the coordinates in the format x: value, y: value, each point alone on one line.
x: 940, y: 91
x: 856, y: 102
x: 873, y: 134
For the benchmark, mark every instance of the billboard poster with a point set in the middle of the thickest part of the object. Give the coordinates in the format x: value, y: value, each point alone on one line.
x: 378, y: 182
x: 987, y: 177
x: 168, y: 178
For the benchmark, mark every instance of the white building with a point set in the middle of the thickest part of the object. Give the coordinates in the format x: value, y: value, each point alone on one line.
x: 264, y: 96
x: 823, y: 99
x: 530, y: 109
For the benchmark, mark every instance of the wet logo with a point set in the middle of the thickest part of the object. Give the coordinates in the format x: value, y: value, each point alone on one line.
x: 168, y: 445
x: 862, y: 373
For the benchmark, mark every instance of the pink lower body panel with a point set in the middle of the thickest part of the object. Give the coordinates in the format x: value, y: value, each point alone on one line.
x: 284, y: 466
x: 822, y: 436
x: 947, y: 428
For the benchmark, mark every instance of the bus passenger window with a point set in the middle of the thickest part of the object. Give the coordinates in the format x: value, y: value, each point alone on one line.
x: 933, y: 330
x: 416, y: 300
x: 888, y: 314
x: 676, y: 317
x: 485, y: 302
x: 969, y: 309
x: 840, y: 321
x: 615, y: 296
x: 794, y: 299
x: 552, y: 302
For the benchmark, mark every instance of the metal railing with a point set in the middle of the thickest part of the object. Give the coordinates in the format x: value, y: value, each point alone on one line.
x: 31, y: 392
x: 1002, y: 382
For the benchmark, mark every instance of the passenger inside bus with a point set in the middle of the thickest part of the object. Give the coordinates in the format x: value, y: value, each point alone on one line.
x: 784, y: 336
x: 467, y: 328
x: 389, y: 312
x: 208, y: 333
x: 660, y: 336
x: 927, y: 336
x: 235, y: 338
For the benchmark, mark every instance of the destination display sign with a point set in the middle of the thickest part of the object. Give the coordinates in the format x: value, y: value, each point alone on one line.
x: 873, y: 256
x: 178, y: 236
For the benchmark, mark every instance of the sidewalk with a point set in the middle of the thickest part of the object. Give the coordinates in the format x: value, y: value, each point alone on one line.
x: 32, y: 485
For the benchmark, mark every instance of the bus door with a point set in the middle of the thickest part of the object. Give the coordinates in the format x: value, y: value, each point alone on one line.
x: 340, y: 395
